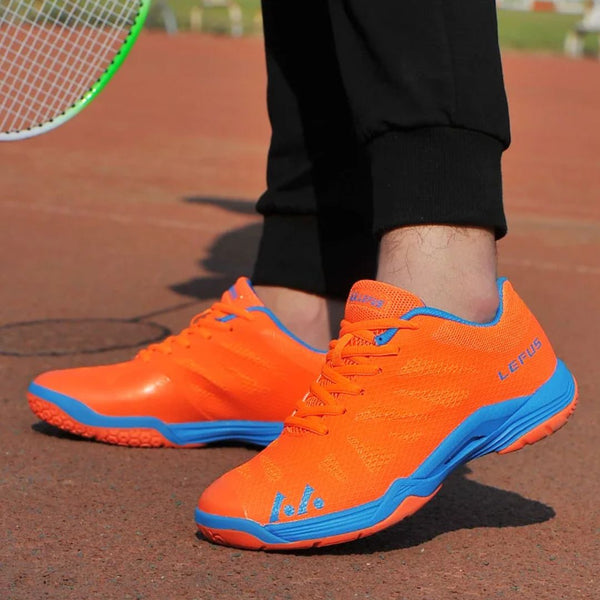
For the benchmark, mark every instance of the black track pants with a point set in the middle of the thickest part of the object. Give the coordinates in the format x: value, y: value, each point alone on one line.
x: 384, y: 113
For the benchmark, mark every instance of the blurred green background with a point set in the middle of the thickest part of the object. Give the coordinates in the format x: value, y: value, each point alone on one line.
x: 538, y: 31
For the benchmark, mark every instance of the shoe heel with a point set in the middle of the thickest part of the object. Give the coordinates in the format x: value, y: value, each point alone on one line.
x: 543, y: 430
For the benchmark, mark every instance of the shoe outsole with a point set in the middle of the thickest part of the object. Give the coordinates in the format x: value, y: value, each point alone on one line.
x: 214, y: 527
x: 74, y: 416
x: 135, y: 437
x: 542, y: 431
x: 242, y: 539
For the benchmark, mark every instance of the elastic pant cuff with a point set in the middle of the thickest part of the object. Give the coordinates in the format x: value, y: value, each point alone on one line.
x: 314, y: 254
x: 437, y: 175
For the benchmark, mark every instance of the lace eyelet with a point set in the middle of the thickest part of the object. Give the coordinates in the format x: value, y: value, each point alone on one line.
x: 362, y: 393
x: 231, y: 329
x: 379, y: 370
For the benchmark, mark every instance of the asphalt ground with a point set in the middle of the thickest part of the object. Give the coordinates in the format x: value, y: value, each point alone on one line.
x: 124, y: 223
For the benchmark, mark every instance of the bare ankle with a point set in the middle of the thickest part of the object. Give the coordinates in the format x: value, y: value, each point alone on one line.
x: 449, y: 268
x: 314, y: 319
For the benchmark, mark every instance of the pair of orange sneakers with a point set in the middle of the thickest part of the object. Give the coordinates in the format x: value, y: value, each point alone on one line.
x: 357, y: 437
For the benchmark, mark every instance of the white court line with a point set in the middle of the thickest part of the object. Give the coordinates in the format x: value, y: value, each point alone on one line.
x: 208, y: 228
x: 549, y: 266
x: 515, y: 221
x: 196, y: 225
x: 544, y: 222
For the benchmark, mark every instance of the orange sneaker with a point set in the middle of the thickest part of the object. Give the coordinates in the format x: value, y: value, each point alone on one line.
x: 234, y: 374
x: 406, y: 395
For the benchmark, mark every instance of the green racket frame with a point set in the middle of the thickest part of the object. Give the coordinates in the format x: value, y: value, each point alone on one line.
x: 96, y: 88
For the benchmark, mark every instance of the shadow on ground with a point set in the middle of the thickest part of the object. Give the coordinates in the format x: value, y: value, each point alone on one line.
x: 461, y: 504
x: 231, y: 255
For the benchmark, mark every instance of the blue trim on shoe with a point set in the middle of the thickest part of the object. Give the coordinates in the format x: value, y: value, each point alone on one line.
x: 435, y: 312
x: 226, y: 318
x: 489, y: 429
x: 388, y: 334
x: 385, y: 337
x: 283, y: 328
x: 260, y: 433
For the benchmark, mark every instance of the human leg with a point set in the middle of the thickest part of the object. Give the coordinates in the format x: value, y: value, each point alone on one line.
x: 432, y: 113
x: 411, y: 389
x: 450, y: 268
x: 316, y: 238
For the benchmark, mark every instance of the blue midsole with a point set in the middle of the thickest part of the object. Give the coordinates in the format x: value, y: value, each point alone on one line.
x: 182, y: 434
x: 489, y: 429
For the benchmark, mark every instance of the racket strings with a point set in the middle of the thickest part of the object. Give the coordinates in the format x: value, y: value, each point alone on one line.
x: 93, y: 55
x: 73, y: 48
x: 31, y: 56
x: 50, y: 41
x: 23, y: 86
x: 52, y: 53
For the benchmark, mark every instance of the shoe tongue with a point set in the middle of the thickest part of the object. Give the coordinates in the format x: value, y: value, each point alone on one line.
x: 378, y: 300
x: 241, y: 293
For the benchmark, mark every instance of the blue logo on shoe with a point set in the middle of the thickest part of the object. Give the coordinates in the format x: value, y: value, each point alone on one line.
x: 289, y: 510
x: 514, y: 365
x: 366, y: 299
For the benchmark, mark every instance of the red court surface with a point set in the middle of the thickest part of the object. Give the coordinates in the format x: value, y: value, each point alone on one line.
x: 134, y: 216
